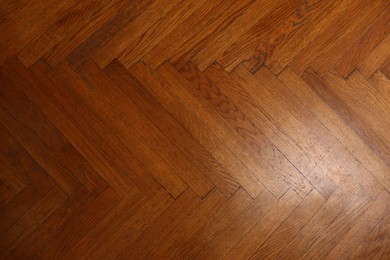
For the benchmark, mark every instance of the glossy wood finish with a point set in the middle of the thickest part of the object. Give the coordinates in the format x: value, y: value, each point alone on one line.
x: 160, y: 129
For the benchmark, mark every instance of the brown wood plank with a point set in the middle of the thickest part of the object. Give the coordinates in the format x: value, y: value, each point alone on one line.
x: 109, y: 112
x: 121, y: 226
x: 118, y: 42
x: 378, y: 209
x: 223, y: 15
x: 220, y: 41
x: 222, y: 176
x: 151, y: 142
x: 349, y: 116
x: 56, y: 223
x: 351, y: 173
x: 95, y: 211
x: 192, y: 33
x: 285, y: 132
x: 240, y: 226
x: 202, y: 131
x: 17, y: 207
x: 37, y: 16
x: 15, y: 234
x: 266, y: 34
x: 265, y: 227
x: 376, y: 58
x: 165, y: 122
x: 353, y: 57
x: 290, y: 227
x: 5, y: 195
x: 386, y: 69
x: 337, y: 229
x: 317, y: 225
x: 136, y: 48
x: 54, y: 153
x: 185, y: 205
x: 277, y: 166
x: 335, y: 50
x: 331, y: 120
x: 71, y: 41
x: 181, y: 235
x: 74, y: 118
x: 346, y: 19
x: 310, y: 29
x: 71, y: 22
x: 376, y: 244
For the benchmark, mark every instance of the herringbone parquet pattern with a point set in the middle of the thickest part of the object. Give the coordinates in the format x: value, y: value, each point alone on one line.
x: 169, y: 129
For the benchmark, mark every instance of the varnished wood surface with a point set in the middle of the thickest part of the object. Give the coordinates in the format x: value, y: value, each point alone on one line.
x: 160, y: 129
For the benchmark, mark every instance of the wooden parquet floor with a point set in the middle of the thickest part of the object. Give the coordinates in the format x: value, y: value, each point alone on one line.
x: 195, y: 129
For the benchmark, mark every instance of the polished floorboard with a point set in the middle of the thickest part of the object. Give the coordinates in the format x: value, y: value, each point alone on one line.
x: 195, y: 129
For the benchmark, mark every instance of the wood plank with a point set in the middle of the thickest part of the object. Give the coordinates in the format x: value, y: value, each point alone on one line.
x: 265, y: 227
x: 5, y: 195
x: 219, y: 174
x: 224, y: 217
x: 18, y: 110
x: 182, y: 233
x: 46, y: 143
x: 240, y: 226
x: 179, y: 210
x: 179, y: 105
x: 17, y: 207
x: 338, y: 47
x: 220, y: 41
x: 376, y: 100
x: 386, y: 69
x: 287, y: 133
x: 119, y: 228
x: 20, y: 166
x: 93, y: 213
x: 37, y: 16
x: 368, y: 104
x: 317, y: 225
x: 118, y: 42
x: 279, y: 170
x: 74, y: 118
x: 146, y: 139
x: 27, y: 223
x: 68, y: 25
x: 370, y: 218
x: 10, y: 180
x: 351, y: 174
x: 376, y: 245
x: 136, y: 48
x: 56, y: 223
x: 100, y: 36
x: 192, y: 33
x: 311, y: 28
x: 353, y: 57
x: 112, y: 113
x: 376, y: 58
x: 165, y: 122
x: 346, y: 16
x: 223, y: 15
x: 331, y: 120
x: 266, y: 34
x: 290, y: 227
x: 337, y: 229
x: 156, y: 129
x: 322, y: 88
x: 71, y: 41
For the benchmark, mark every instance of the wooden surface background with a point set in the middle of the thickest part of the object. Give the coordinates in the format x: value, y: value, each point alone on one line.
x: 195, y: 129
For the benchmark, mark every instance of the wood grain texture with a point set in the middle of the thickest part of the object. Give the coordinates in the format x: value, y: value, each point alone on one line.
x: 156, y: 129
